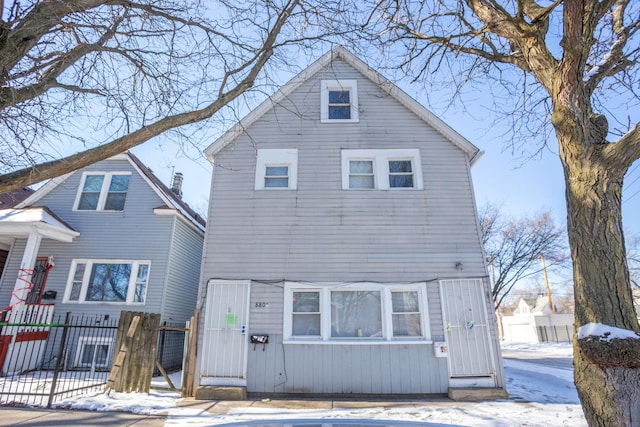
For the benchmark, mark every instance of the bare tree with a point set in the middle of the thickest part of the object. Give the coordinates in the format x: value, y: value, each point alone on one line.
x: 513, y: 247
x: 576, y: 66
x: 107, y: 75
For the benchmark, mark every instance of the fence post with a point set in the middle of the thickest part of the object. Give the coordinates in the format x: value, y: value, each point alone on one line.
x: 60, y: 356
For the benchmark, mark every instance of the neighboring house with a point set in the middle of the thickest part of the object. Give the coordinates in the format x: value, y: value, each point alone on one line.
x: 106, y: 238
x: 343, y: 253
x: 533, y: 322
x: 9, y: 200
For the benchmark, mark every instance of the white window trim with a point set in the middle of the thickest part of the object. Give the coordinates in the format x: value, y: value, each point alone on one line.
x: 381, y: 160
x: 135, y: 264
x: 351, y: 86
x: 103, y: 191
x: 325, y: 313
x: 82, y: 341
x: 277, y: 157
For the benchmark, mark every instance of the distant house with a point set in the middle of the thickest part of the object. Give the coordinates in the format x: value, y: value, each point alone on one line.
x: 533, y: 322
x: 106, y: 238
x: 343, y: 254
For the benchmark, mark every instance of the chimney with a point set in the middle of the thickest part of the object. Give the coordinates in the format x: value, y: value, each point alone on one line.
x: 176, y: 187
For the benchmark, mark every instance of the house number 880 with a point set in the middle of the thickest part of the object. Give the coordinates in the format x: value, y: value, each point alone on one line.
x: 261, y: 305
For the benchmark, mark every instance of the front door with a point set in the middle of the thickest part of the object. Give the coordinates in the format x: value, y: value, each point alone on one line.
x: 466, y: 323
x: 224, y: 356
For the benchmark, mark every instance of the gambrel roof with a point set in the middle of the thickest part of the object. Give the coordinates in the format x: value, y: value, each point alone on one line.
x: 170, y: 199
x: 473, y: 153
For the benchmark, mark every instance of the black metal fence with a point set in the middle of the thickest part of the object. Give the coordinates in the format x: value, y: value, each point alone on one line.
x: 45, y: 363
x: 171, y: 347
x: 555, y: 333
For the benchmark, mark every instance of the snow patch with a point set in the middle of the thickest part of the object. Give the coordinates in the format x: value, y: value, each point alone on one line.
x: 605, y: 333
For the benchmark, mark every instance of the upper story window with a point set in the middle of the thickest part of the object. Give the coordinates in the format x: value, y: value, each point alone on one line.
x: 358, y: 312
x: 123, y: 282
x: 381, y: 169
x: 339, y: 101
x: 277, y: 169
x: 102, y: 191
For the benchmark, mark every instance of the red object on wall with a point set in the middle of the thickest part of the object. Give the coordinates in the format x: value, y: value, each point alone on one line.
x: 5, y: 340
x: 32, y: 336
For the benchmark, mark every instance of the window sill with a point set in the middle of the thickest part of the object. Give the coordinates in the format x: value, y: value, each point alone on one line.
x: 358, y: 342
x: 339, y: 120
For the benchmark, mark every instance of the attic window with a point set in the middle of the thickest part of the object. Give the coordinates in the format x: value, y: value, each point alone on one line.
x: 339, y: 101
x: 102, y: 191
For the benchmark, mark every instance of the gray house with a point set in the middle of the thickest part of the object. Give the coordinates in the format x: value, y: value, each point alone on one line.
x: 103, y: 239
x: 343, y: 252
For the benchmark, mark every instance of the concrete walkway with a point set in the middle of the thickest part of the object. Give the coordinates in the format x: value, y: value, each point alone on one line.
x: 34, y: 417
x: 31, y: 417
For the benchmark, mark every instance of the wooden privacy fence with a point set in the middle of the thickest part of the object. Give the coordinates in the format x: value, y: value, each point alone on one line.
x: 135, y: 353
x: 135, y: 357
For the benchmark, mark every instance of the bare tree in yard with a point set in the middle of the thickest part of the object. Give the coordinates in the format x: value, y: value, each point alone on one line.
x: 110, y: 74
x: 513, y: 247
x: 576, y: 62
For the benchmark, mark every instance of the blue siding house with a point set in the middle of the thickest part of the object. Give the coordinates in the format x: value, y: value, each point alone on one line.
x: 106, y: 238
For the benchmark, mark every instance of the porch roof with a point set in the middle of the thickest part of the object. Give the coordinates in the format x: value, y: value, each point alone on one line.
x: 19, y: 223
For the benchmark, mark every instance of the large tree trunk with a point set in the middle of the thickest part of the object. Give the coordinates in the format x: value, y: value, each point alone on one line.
x: 607, y: 374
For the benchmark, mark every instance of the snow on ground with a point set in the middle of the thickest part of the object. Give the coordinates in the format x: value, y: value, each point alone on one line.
x: 540, y: 395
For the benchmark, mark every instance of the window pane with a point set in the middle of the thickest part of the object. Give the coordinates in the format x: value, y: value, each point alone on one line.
x: 400, y: 173
x: 87, y: 354
x: 339, y: 112
x: 356, y: 314
x: 361, y: 166
x: 117, y: 193
x: 277, y: 171
x: 306, y: 324
x: 406, y: 314
x: 109, y: 282
x: 339, y: 97
x: 76, y: 284
x: 141, y: 283
x: 399, y: 181
x: 403, y: 302
x: 402, y: 166
x: 119, y: 183
x: 406, y: 325
x: 361, y: 182
x: 93, y: 183
x: 88, y: 201
x: 115, y: 201
x: 276, y: 182
x: 306, y: 302
x: 361, y: 174
x: 102, y: 354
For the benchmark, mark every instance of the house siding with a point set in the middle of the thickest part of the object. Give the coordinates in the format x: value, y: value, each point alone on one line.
x: 132, y: 234
x: 184, y: 261
x: 321, y: 233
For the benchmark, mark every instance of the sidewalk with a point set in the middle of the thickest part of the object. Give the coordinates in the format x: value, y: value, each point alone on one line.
x: 35, y: 417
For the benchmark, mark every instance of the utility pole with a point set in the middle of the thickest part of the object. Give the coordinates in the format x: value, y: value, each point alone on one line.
x: 546, y: 281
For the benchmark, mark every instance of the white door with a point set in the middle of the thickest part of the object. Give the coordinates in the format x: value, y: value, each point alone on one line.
x: 224, y: 355
x: 466, y: 324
